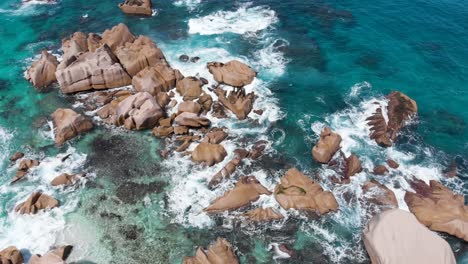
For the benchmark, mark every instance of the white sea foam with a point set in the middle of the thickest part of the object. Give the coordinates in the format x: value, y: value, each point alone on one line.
x: 191, y: 4
x: 243, y: 20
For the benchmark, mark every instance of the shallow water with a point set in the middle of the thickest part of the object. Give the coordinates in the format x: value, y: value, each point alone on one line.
x: 320, y: 63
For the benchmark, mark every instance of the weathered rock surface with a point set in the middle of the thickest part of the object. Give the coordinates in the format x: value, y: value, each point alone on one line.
x: 23, y: 169
x: 237, y: 101
x: 155, y: 79
x: 216, y: 135
x: 353, y: 166
x: 42, y: 72
x: 56, y: 256
x: 438, y: 208
x: 117, y: 36
x: 69, y: 124
x: 221, y: 252
x: 327, y: 146
x: 139, y: 111
x: 189, y: 87
x: 206, y: 101
x: 379, y: 194
x: 209, y: 154
x: 65, y: 179
x: 298, y: 191
x: 11, y: 255
x: 263, y: 215
x: 16, y: 156
x: 191, y: 120
x: 392, y: 164
x: 247, y: 190
x: 380, y: 170
x: 136, y: 7
x: 395, y: 236
x: 190, y: 106
x: 233, y: 73
x: 93, y: 70
x: 36, y: 202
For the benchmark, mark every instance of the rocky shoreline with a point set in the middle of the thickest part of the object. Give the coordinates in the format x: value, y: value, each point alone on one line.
x: 178, y: 108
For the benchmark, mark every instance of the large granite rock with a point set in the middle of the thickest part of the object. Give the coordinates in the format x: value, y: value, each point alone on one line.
x: 55, y: 256
x: 263, y: 215
x: 23, y: 169
x: 36, y: 202
x: 65, y: 179
x: 11, y: 255
x: 117, y: 36
x: 237, y: 101
x: 189, y: 87
x: 352, y: 166
x: 139, y: 54
x: 247, y: 190
x: 69, y: 124
x: 191, y: 120
x: 233, y: 73
x: 327, y: 146
x: 138, y: 111
x: 438, y: 208
x: 221, y: 252
x: 42, y: 72
x: 209, y: 154
x: 136, y: 7
x: 189, y: 106
x: 93, y: 70
x: 155, y: 79
x: 395, y: 236
x: 297, y: 191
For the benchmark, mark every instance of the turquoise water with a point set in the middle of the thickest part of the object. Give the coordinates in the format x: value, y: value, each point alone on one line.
x: 319, y: 63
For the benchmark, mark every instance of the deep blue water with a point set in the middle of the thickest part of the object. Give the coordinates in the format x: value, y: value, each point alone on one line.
x: 319, y: 63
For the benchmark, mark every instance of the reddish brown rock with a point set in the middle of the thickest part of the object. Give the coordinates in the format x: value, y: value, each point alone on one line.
x: 233, y: 73
x: 378, y: 128
x: 191, y: 120
x: 69, y: 124
x: 42, y: 72
x: 221, y: 252
x: 163, y: 99
x: 16, y: 156
x: 65, y: 179
x: 438, y: 208
x: 392, y: 164
x: 218, y: 110
x: 247, y: 190
x: 298, y: 191
x: 190, y: 88
x: 117, y: 36
x: 209, y: 154
x: 263, y: 215
x: 55, y: 256
x: 136, y: 7
x: 139, y: 111
x: 216, y: 135
x: 11, y: 255
x: 206, y: 101
x: 237, y: 101
x: 380, y: 170
x: 190, y: 106
x: 36, y: 202
x: 353, y: 166
x: 163, y: 131
x: 23, y: 169
x: 327, y: 146
x: 154, y: 79
x: 94, y: 41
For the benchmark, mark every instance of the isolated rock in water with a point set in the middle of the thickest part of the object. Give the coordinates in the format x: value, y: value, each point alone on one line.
x: 327, y: 146
x: 221, y: 252
x: 263, y: 215
x: 65, y: 179
x: 191, y: 120
x: 117, y: 36
x: 16, y: 156
x: 136, y: 7
x: 69, y: 124
x: 139, y: 111
x: 155, y: 79
x: 37, y: 201
x: 56, y: 256
x: 379, y: 194
x: 438, y: 208
x: 392, y: 164
x: 247, y: 190
x: 209, y: 154
x: 24, y: 168
x: 237, y: 101
x: 42, y: 72
x: 233, y: 73
x: 184, y: 58
x: 93, y: 70
x: 380, y: 170
x: 353, y: 166
x: 298, y: 191
x: 190, y: 88
x: 190, y: 107
x: 139, y: 54
x: 395, y: 236
x: 11, y: 255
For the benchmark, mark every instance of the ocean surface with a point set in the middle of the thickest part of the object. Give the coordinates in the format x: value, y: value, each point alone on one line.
x: 319, y: 63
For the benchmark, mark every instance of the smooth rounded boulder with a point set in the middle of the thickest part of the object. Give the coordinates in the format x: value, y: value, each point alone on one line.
x: 69, y: 124
x: 395, y: 236
x: 327, y: 146
x: 208, y: 153
x: 221, y: 252
x: 42, y: 72
x: 36, y: 202
x: 233, y: 73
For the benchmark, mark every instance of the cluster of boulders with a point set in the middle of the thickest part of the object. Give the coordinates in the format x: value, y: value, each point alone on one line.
x: 59, y: 255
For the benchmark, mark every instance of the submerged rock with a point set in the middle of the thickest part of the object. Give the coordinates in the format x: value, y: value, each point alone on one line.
x: 138, y: 111
x: 11, y: 255
x: 327, y: 146
x: 237, y: 101
x: 263, y: 215
x: 233, y: 73
x: 298, y: 191
x: 136, y: 7
x: 36, y: 202
x: 208, y: 153
x: 395, y: 236
x: 69, y: 124
x: 221, y: 252
x: 438, y: 208
x: 42, y: 72
x: 247, y: 190
x: 392, y: 164
x: 379, y: 194
x: 56, y: 256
